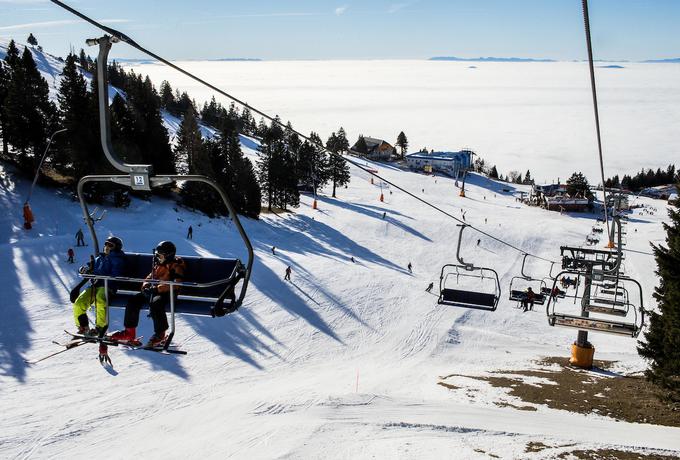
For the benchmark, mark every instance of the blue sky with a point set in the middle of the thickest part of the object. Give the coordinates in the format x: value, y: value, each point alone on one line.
x: 370, y: 29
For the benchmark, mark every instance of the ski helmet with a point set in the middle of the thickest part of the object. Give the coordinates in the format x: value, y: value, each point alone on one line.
x: 167, y: 248
x: 116, y: 242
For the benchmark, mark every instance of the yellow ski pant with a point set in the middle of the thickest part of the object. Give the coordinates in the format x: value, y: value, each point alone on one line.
x: 87, y: 298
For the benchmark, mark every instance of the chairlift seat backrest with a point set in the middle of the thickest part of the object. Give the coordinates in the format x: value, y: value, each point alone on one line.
x: 601, y: 300
x: 606, y: 310
x: 192, y: 299
x: 618, y: 292
x: 198, y: 270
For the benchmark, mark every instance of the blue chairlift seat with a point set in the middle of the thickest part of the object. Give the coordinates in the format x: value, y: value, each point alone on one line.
x: 193, y: 300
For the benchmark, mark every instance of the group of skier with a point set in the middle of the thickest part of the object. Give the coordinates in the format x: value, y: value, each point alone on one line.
x: 111, y: 263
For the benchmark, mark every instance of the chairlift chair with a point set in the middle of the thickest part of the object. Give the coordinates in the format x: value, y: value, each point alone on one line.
x: 451, y: 291
x: 212, y: 290
x: 548, y: 280
x: 585, y: 322
x: 537, y: 285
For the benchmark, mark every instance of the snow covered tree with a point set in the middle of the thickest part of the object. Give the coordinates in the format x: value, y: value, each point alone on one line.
x: 662, y: 340
x: 31, y: 40
x: 515, y: 177
x: 402, y: 143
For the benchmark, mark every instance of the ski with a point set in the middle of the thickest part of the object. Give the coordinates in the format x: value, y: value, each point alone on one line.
x: 71, y: 344
x: 127, y: 345
x: 159, y: 349
x: 86, y: 338
x: 67, y: 347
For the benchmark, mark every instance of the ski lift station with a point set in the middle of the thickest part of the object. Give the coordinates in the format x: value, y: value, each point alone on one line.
x: 451, y: 163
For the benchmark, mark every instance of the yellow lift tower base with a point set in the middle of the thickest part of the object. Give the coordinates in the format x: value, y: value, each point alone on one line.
x: 582, y: 356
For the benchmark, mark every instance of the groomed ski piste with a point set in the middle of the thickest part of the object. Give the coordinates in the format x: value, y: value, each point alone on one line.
x: 343, y: 361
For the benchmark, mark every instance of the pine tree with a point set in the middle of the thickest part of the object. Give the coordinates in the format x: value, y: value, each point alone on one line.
x: 31, y: 40
x: 313, y: 163
x: 235, y: 173
x: 190, y: 146
x: 269, y: 162
x: 167, y: 97
x: 342, y: 142
x: 4, y: 86
x: 493, y: 174
x: 11, y: 66
x: 289, y: 195
x: 30, y: 114
x: 402, y: 143
x: 244, y: 178
x: 247, y: 122
x: 662, y: 345
x: 74, y: 147
x: 338, y: 169
x: 152, y: 136
x: 577, y: 186
x: 124, y: 132
x: 527, y: 178
x: 361, y: 147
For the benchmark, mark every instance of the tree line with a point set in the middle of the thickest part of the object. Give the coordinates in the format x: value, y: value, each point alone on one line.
x: 644, y: 179
x: 28, y: 117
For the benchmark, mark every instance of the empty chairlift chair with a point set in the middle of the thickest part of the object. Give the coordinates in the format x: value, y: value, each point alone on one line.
x: 585, y: 303
x: 464, y: 285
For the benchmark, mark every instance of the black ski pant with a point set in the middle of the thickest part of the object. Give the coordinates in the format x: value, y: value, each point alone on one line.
x: 157, y: 305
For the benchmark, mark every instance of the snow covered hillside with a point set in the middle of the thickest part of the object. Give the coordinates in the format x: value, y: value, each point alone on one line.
x: 342, y: 362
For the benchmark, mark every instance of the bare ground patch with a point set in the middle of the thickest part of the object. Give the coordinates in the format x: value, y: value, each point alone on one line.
x: 560, y: 386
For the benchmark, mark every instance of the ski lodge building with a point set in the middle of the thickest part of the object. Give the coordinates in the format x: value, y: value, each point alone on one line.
x: 451, y: 163
x: 376, y: 149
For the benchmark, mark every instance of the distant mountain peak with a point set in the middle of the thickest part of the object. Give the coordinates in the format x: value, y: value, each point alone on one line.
x: 488, y: 59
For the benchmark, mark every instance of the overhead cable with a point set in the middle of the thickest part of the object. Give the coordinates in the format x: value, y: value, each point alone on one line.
x: 126, y: 39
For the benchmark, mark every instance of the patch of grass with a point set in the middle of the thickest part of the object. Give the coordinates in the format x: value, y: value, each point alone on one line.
x: 448, y: 385
x: 535, y: 447
x: 627, y: 398
x: 613, y: 454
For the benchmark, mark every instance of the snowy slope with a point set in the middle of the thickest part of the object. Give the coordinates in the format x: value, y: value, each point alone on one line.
x: 341, y: 363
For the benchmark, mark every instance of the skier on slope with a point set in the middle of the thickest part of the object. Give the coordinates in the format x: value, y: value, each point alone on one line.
x: 111, y: 262
x: 167, y: 267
